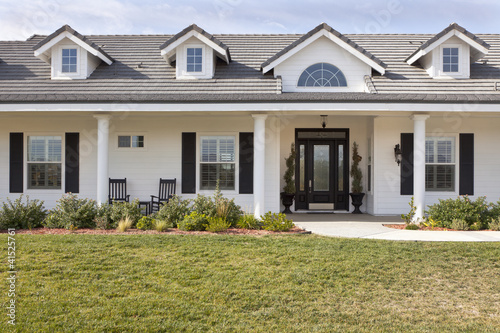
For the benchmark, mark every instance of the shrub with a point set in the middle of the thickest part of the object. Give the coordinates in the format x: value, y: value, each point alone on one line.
x: 102, y: 222
x: 459, y: 225
x: 431, y: 223
x: 204, y: 205
x: 217, y: 224
x: 120, y: 210
x: 412, y: 226
x: 193, y: 222
x: 19, y: 215
x: 124, y: 224
x: 494, y: 224
x: 494, y: 212
x: 161, y: 225
x: 462, y: 208
x: 217, y: 206
x: 174, y: 211
x: 72, y: 213
x: 145, y: 223
x: 276, y: 222
x: 248, y: 221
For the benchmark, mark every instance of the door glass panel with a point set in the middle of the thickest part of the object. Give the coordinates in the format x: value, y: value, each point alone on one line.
x: 340, y: 168
x: 302, y: 167
x: 321, y: 167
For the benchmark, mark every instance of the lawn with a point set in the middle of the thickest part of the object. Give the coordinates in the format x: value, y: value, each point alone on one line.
x: 218, y: 283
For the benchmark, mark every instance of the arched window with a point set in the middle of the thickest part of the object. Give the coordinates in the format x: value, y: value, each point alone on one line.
x: 322, y: 75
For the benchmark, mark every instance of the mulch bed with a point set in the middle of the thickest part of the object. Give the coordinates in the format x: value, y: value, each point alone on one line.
x: 402, y: 226
x: 231, y: 231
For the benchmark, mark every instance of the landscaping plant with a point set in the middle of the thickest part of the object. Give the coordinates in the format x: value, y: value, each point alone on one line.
x: 174, y: 211
x: 217, y: 224
x: 474, y: 213
x: 248, y: 221
x: 161, y: 225
x: 22, y: 215
x: 193, y: 222
x: 276, y: 222
x: 124, y: 224
x: 72, y: 212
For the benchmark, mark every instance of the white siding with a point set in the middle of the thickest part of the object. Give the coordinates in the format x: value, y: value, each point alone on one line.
x: 323, y: 50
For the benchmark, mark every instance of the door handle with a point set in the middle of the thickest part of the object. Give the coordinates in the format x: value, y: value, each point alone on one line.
x: 310, y: 186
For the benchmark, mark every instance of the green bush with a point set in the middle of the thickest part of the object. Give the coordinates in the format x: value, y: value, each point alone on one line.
x: 494, y: 212
x: 193, y: 222
x: 494, y: 224
x: 145, y: 223
x: 411, y: 226
x: 120, y: 210
x: 409, y: 217
x: 460, y: 225
x: 72, y: 213
x: 217, y: 224
x: 204, y: 205
x: 276, y: 222
x: 22, y: 215
x: 217, y: 206
x: 174, y: 211
x: 474, y: 213
x: 248, y: 221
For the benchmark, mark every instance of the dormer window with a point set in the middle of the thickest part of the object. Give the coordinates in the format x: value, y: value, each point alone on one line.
x: 322, y: 75
x: 450, y: 59
x: 69, y: 60
x: 194, y: 59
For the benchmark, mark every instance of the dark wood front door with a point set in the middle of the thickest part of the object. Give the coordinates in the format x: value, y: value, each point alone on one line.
x: 322, y: 170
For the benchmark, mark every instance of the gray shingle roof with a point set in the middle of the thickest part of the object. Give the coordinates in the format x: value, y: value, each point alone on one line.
x: 67, y: 28
x: 140, y: 74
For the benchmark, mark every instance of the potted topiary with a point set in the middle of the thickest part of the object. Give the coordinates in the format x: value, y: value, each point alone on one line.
x: 357, y: 176
x: 288, y: 193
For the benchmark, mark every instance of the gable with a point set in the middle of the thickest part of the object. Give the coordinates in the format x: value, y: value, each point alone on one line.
x: 323, y: 50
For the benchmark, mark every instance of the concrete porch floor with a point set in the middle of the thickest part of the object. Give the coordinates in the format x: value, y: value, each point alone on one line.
x: 371, y: 227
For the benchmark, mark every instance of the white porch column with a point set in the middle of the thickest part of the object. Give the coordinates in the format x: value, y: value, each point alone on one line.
x: 102, y: 157
x: 259, y: 163
x: 419, y: 164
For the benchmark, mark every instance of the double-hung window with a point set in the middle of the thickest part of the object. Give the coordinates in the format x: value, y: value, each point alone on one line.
x: 440, y: 164
x: 217, y: 162
x: 194, y: 59
x: 44, y: 162
x: 69, y: 60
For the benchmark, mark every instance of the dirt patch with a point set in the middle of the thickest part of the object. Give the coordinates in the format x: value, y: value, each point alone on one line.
x: 231, y: 231
x: 402, y: 226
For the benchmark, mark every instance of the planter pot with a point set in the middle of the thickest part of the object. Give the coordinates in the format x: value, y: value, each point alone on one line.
x: 287, y: 201
x: 357, y: 201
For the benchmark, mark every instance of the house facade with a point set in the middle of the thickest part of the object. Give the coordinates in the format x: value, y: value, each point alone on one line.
x: 424, y: 109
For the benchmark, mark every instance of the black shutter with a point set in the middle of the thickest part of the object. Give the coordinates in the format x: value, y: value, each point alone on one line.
x: 72, y: 163
x: 16, y: 163
x: 188, y: 163
x: 246, y: 163
x: 466, y: 185
x: 407, y: 164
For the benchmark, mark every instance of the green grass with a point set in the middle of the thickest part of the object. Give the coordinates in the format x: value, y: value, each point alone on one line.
x: 219, y: 283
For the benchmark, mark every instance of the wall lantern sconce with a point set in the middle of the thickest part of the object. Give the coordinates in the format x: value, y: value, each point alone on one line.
x: 324, y: 121
x: 398, y: 155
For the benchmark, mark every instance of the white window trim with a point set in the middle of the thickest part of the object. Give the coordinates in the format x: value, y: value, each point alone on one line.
x: 456, y: 163
x: 203, y: 60
x: 25, y: 164
x: 135, y: 149
x: 236, y: 162
x: 441, y: 72
x: 59, y: 74
x: 346, y: 87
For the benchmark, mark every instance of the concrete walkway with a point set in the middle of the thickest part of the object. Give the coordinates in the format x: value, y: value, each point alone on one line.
x: 371, y: 227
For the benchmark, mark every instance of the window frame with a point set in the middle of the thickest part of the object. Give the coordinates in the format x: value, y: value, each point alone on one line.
x: 455, y: 163
x: 461, y: 69
x: 203, y: 60
x: 131, y: 135
x: 59, y: 52
x: 26, y: 163
x: 199, y: 162
x: 321, y: 87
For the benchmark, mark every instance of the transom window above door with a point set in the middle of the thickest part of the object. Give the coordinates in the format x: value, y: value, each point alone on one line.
x: 322, y: 75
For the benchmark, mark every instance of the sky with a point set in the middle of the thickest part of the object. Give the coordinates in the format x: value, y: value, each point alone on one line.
x: 21, y: 19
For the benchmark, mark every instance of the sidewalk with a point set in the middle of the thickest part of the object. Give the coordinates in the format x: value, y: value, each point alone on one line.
x: 371, y: 227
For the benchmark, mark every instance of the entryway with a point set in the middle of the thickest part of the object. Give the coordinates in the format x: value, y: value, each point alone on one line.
x: 322, y: 169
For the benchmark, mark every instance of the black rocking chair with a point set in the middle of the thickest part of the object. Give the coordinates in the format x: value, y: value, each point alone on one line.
x: 167, y: 191
x: 118, y: 190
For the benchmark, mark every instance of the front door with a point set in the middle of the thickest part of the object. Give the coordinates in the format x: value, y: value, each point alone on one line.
x: 322, y: 170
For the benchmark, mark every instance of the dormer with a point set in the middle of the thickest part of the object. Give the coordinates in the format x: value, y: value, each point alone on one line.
x: 449, y: 54
x: 195, y: 53
x: 324, y: 60
x: 71, y: 56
